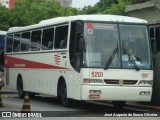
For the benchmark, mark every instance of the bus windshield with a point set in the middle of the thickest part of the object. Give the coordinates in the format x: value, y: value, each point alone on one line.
x: 116, y: 46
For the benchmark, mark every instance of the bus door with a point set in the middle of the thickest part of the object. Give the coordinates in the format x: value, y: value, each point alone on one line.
x: 76, y: 35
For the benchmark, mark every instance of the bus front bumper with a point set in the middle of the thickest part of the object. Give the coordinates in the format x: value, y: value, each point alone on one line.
x: 116, y: 93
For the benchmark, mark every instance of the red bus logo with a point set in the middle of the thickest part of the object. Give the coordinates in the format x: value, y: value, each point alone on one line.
x: 144, y: 75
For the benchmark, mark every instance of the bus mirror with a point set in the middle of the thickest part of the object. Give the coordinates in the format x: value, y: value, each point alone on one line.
x: 154, y: 45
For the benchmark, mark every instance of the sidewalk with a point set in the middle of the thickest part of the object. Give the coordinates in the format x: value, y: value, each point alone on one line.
x: 143, y: 105
x: 6, y: 90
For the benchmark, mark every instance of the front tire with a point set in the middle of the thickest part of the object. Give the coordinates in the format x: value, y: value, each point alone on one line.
x: 21, y: 93
x: 65, y: 101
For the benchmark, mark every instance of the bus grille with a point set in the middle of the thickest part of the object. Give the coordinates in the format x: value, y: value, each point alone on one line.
x: 117, y: 82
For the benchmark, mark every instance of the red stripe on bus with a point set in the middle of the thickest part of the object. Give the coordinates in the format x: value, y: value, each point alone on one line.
x: 11, y: 62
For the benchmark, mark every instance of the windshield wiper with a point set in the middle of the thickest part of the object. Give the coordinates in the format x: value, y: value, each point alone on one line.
x: 132, y: 60
x: 110, y: 59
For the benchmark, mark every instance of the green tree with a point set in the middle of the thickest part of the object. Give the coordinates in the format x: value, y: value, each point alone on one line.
x: 27, y: 12
x: 110, y: 7
x: 100, y: 7
x: 103, y: 5
x: 89, y: 10
x: 4, y: 14
x: 137, y: 1
x: 118, y: 9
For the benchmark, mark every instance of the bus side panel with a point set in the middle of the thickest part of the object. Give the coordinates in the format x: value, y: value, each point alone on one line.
x: 40, y: 74
x: 40, y: 81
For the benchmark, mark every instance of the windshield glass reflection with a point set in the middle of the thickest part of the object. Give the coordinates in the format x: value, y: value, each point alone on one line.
x: 102, y: 39
x: 135, y: 40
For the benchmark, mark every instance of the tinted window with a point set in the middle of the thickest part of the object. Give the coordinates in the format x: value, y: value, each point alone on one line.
x: 9, y: 43
x: 25, y: 41
x: 61, y: 37
x: 16, y: 44
x: 36, y: 40
x: 47, y: 40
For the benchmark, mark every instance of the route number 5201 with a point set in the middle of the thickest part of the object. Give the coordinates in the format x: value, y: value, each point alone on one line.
x: 97, y: 74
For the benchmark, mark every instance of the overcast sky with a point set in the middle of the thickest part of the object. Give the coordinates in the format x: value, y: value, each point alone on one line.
x: 82, y: 3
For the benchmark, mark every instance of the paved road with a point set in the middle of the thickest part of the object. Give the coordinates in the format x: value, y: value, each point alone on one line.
x: 49, y: 106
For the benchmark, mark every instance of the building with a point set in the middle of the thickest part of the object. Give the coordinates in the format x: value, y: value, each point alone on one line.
x: 7, y: 3
x: 65, y: 2
x: 150, y: 11
x: 10, y: 3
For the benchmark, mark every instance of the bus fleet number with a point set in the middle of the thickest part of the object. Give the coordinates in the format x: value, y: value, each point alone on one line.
x: 97, y: 74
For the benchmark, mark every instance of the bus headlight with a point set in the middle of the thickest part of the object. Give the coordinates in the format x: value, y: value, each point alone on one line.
x: 145, y: 82
x: 92, y: 81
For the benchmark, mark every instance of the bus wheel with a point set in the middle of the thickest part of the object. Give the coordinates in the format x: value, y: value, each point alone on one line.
x: 119, y: 104
x: 64, y: 99
x: 21, y: 93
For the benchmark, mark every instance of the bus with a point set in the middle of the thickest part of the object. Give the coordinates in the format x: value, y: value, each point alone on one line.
x: 2, y: 43
x: 91, y: 66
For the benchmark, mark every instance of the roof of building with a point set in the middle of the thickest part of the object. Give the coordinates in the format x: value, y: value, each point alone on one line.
x: 148, y: 4
x: 58, y: 20
x: 149, y: 11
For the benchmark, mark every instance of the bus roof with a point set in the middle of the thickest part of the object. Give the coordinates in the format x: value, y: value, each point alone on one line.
x: 58, y: 20
x: 3, y: 32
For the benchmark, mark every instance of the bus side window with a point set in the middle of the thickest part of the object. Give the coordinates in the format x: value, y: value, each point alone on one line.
x: 9, y: 43
x: 47, y: 39
x: 25, y: 41
x: 36, y: 40
x: 60, y: 33
x: 16, y: 44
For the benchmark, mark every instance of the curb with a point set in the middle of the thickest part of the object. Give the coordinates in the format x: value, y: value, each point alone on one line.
x: 8, y: 91
x: 144, y: 106
x: 136, y: 105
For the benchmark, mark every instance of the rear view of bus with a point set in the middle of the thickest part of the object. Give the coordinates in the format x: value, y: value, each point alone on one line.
x: 2, y: 43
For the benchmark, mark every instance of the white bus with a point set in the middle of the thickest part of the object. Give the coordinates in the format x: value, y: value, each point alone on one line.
x: 92, y: 66
x: 2, y: 44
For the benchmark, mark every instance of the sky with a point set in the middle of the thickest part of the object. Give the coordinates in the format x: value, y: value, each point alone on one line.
x: 82, y: 3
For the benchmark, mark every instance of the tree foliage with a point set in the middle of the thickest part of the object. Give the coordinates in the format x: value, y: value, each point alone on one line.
x: 109, y: 7
x: 27, y: 12
x: 4, y: 15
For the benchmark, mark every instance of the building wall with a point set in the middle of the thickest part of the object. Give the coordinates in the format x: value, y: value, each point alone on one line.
x: 10, y: 3
x: 7, y: 3
x: 152, y: 14
x: 65, y: 2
